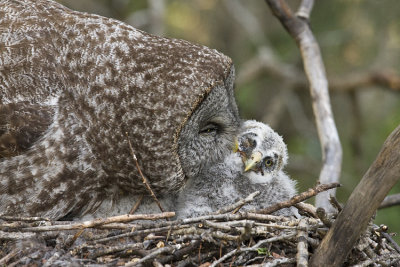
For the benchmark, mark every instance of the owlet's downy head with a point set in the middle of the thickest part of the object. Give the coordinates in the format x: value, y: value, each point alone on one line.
x: 256, y: 164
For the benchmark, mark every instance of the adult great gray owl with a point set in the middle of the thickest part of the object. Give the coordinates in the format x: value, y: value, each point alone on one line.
x: 257, y: 166
x: 73, y: 84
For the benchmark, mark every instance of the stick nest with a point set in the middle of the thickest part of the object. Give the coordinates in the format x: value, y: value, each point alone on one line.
x: 226, y: 239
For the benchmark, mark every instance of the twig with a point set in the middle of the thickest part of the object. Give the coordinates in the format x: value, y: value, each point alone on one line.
x: 53, y: 258
x: 145, y: 181
x: 157, y: 252
x: 302, y: 246
x: 335, y: 203
x: 324, y: 217
x: 24, y: 219
x: 9, y: 256
x: 74, y: 238
x: 99, y: 222
x: 390, y: 201
x: 310, y: 209
x: 236, y: 206
x: 15, y: 236
x: 137, y: 204
x: 226, y: 256
x: 331, y: 148
x: 179, y: 254
x: 391, y: 240
x: 272, y: 239
x: 253, y: 248
x: 214, y: 234
x: 113, y: 249
x: 215, y: 225
x: 392, y: 259
x: 298, y: 198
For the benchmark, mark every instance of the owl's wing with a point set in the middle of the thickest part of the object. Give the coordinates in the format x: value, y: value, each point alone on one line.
x: 21, y: 125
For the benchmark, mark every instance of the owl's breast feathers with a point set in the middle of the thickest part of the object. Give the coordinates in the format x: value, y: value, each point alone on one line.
x: 73, y: 84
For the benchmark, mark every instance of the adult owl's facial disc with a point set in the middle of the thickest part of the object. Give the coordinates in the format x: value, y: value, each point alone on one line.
x: 209, y: 134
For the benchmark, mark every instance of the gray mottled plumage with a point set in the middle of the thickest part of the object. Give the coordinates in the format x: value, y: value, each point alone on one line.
x: 72, y: 84
x: 227, y: 182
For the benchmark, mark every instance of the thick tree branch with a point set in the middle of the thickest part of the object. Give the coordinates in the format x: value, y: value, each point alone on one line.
x: 362, y: 205
x: 331, y: 148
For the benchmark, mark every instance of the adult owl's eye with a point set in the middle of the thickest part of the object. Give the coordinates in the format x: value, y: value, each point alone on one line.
x: 210, y: 128
x: 268, y: 162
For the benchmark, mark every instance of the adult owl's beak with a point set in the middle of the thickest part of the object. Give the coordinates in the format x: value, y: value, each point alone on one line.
x: 252, y: 161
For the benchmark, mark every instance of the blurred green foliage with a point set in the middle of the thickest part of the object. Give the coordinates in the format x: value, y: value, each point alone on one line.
x: 355, y: 37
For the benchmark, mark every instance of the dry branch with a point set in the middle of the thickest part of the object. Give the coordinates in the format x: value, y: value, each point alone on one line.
x: 299, y: 29
x: 362, y: 204
x: 25, y: 219
x: 302, y: 246
x: 15, y: 236
x: 236, y: 206
x: 390, y: 201
x: 308, y: 208
x: 298, y: 198
x: 144, y: 179
x: 100, y: 222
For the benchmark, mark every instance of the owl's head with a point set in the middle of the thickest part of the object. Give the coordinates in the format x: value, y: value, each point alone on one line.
x: 209, y: 134
x: 261, y: 148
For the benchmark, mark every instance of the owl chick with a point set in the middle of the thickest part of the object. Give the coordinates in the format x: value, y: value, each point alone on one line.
x: 256, y: 164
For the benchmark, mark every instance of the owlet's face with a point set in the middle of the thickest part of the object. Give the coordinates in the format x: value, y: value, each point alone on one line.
x: 261, y: 148
x: 209, y: 134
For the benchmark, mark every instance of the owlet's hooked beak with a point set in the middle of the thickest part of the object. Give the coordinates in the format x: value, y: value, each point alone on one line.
x: 236, y: 145
x: 252, y: 162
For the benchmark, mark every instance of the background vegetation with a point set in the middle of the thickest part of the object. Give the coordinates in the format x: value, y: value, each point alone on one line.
x: 360, y: 43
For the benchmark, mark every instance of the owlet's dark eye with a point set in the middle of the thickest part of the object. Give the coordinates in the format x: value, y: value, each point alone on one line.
x: 210, y: 128
x: 268, y: 162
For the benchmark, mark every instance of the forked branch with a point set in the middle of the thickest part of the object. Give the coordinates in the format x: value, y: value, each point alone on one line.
x: 298, y: 28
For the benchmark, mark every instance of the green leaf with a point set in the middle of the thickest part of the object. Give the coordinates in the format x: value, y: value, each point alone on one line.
x: 262, y: 251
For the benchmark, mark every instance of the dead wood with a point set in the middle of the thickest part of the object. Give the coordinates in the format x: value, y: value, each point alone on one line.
x: 299, y: 198
x: 302, y: 246
x: 362, y: 205
x: 99, y: 222
x: 390, y: 201
x: 298, y: 27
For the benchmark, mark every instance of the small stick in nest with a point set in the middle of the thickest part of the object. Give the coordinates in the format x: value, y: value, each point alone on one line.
x: 137, y: 204
x: 99, y: 222
x: 145, y: 181
x: 302, y: 245
x: 298, y: 198
x: 334, y: 202
x: 324, y: 217
x: 308, y: 208
x: 24, y: 219
x: 238, y: 205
